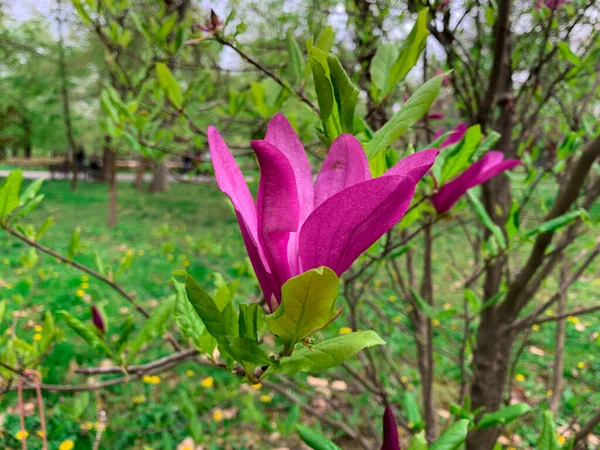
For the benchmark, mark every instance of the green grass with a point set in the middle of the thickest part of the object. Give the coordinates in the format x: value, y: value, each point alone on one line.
x: 194, y: 227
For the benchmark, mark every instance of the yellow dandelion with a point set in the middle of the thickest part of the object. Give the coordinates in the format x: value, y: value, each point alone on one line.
x: 549, y: 312
x: 535, y: 327
x: 66, y: 445
x: 87, y: 426
x: 411, y: 425
x: 9, y: 286
x: 447, y: 305
x: 38, y: 328
x: 186, y: 264
x: 345, y: 330
x: 84, y: 278
x: 410, y: 387
x: 139, y: 399
x: 435, y: 323
x: 397, y: 319
x: 40, y: 433
x: 520, y: 377
x: 8, y: 331
x: 208, y: 382
x: 85, y: 285
x: 189, y: 373
x: 265, y: 398
x: 21, y: 435
x: 256, y: 386
x: 573, y: 319
x: 581, y: 365
x: 187, y: 447
x: 217, y: 415
x: 377, y: 283
x: 549, y: 393
x: 80, y: 293
x: 154, y: 379
x: 561, y: 439
x: 392, y: 298
x: 37, y: 337
x: 404, y: 379
x: 129, y: 251
x: 147, y: 379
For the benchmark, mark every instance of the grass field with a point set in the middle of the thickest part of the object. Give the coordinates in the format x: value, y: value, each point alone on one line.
x: 193, y: 227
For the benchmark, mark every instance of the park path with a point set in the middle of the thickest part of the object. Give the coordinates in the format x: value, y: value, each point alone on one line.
x: 37, y: 174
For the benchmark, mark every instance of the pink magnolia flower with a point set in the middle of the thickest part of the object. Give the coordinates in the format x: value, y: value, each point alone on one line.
x: 296, y: 225
x: 490, y: 165
x: 390, y: 431
x: 552, y: 4
x: 98, y: 320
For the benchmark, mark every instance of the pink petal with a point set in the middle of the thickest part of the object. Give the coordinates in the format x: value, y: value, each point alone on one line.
x: 348, y: 223
x: 455, y: 135
x: 415, y: 165
x: 345, y: 165
x: 281, y: 134
x: 277, y: 208
x: 481, y: 171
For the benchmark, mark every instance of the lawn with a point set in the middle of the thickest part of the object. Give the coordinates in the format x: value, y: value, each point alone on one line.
x: 193, y: 227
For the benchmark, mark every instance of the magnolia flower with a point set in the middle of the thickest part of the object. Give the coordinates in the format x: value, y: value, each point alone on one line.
x: 97, y: 319
x: 490, y: 165
x: 552, y: 4
x: 296, y: 225
x: 390, y: 431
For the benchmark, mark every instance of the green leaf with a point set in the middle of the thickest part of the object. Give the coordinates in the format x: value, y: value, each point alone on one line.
x: 307, y: 305
x: 381, y: 66
x: 346, y: 93
x: 2, y: 309
x: 422, y: 304
x: 411, y: 50
x: 410, y: 113
x: 418, y: 442
x: 29, y: 207
x: 48, y: 332
x: 315, y: 440
x: 513, y: 221
x: 458, y: 158
x: 568, y: 54
x: 85, y: 17
x: 488, y: 143
x: 548, y: 439
x: 251, y: 320
x: 326, y: 354
x: 154, y: 326
x: 556, y: 223
x: 323, y: 87
x: 296, y: 60
x: 413, y: 415
x: 324, y: 41
x: 258, y: 95
x: 31, y: 192
x: 244, y: 349
x: 9, y: 193
x: 108, y: 107
x: 473, y: 301
x: 74, y: 246
x: 87, y: 333
x: 453, y: 437
x: 45, y: 227
x: 169, y: 84
x: 504, y: 415
x: 188, y: 320
x: 487, y: 220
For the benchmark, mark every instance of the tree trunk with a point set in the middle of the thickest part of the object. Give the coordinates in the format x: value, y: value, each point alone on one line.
x: 160, y: 181
x: 111, y: 169
x: 141, y: 169
x: 65, y: 97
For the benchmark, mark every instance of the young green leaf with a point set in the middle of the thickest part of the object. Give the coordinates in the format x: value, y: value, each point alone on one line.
x: 325, y: 38
x: 504, y: 415
x: 457, y: 158
x: 411, y: 408
x: 169, y: 84
x: 418, y: 442
x: 74, y: 246
x: 548, y: 440
x: 410, y: 113
x: 315, y: 440
x: 153, y: 327
x: 513, y: 220
x: 307, y: 305
x: 346, y: 93
x: 187, y: 318
x: 556, y: 223
x: 453, y: 437
x: 326, y: 354
x: 31, y: 192
x: 296, y: 60
x: 381, y: 67
x: 486, y: 220
x: 258, y: 95
x: 87, y: 333
x: 9, y: 193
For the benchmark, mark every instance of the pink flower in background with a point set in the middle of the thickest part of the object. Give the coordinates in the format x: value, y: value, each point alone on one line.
x: 490, y: 165
x: 390, y: 431
x: 98, y: 320
x: 552, y: 4
x: 296, y: 225
x: 446, y: 80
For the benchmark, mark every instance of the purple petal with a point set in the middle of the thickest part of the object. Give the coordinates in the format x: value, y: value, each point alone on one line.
x: 98, y: 320
x: 455, y: 135
x: 415, y: 165
x: 436, y: 116
x: 481, y: 171
x: 281, y: 134
x: 348, y: 223
x: 390, y: 431
x: 277, y: 208
x: 345, y: 165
